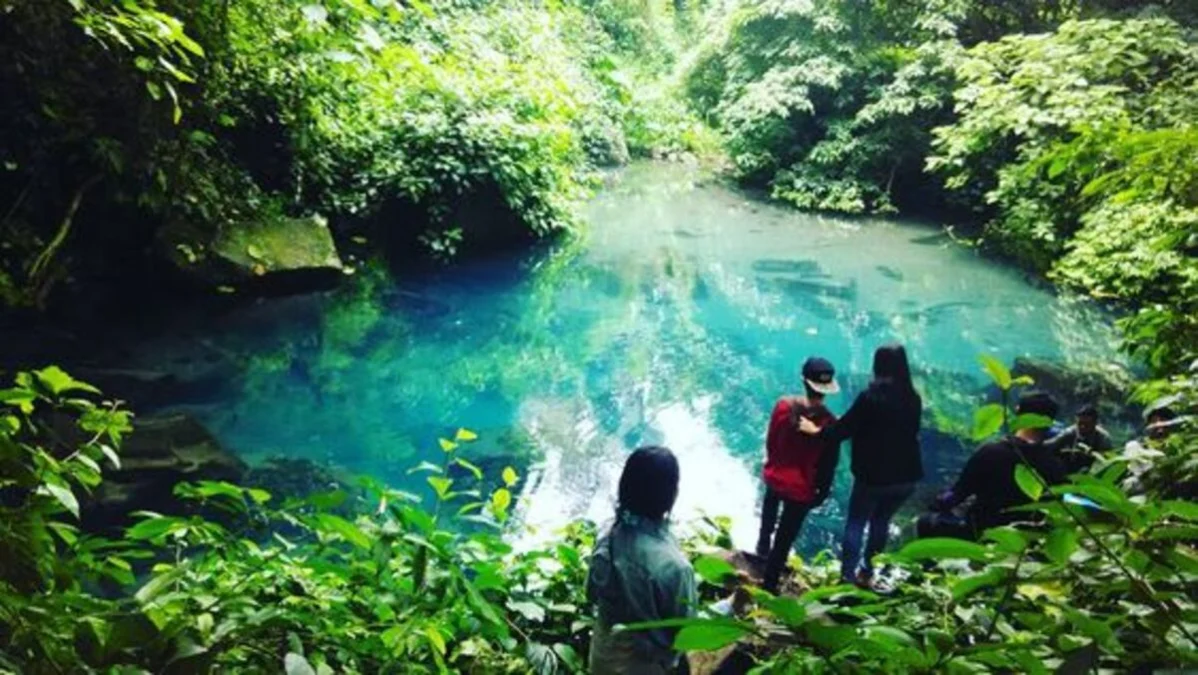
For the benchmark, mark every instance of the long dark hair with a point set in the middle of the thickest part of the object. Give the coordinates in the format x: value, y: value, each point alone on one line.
x: 649, y: 484
x: 891, y: 367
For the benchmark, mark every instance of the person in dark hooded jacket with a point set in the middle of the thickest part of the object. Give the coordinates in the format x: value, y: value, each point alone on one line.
x: 883, y: 426
x: 638, y: 573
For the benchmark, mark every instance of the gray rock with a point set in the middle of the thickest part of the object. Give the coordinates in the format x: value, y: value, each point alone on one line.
x: 279, y: 249
x: 1106, y: 387
x: 162, y: 452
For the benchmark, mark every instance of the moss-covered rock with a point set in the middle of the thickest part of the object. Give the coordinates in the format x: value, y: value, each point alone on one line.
x: 274, y: 250
x: 605, y: 143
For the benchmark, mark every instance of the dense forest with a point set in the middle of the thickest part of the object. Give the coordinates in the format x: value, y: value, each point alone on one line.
x: 162, y: 152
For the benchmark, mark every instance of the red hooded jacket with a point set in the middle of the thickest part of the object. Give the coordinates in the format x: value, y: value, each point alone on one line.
x: 797, y: 464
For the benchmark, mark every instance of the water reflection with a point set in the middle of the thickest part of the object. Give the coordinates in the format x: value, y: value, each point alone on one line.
x: 679, y: 319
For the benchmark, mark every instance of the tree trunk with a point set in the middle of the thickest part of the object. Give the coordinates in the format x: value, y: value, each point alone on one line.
x: 40, y: 279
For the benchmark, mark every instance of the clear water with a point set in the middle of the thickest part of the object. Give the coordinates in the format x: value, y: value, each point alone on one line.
x: 679, y: 319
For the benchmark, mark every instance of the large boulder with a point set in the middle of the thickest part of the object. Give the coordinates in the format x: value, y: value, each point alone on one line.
x: 1107, y: 387
x: 605, y: 144
x: 275, y: 252
x: 161, y: 452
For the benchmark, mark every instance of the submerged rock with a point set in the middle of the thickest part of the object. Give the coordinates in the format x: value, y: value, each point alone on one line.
x: 162, y: 452
x: 147, y: 390
x: 278, y: 252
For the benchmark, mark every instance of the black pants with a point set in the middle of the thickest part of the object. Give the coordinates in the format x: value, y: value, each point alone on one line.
x: 944, y: 525
x: 775, y: 546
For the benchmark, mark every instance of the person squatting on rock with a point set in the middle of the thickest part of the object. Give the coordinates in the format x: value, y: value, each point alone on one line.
x: 988, y: 483
x: 638, y: 573
x: 798, y: 467
x: 1079, y: 445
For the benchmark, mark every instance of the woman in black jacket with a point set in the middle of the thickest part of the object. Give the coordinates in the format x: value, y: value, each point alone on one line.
x: 883, y: 424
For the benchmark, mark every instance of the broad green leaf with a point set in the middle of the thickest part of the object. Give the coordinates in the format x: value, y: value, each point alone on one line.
x: 212, y: 489
x: 440, y: 485
x: 1022, y: 381
x: 714, y: 570
x: 943, y: 548
x: 328, y: 523
x: 68, y: 533
x: 975, y: 582
x: 1180, y: 509
x: 1108, y: 497
x: 501, y: 499
x: 509, y: 476
x: 64, y: 496
x: 19, y: 398
x: 155, y: 586
x: 10, y: 424
x: 480, y: 604
x: 1009, y: 539
x: 294, y: 664
x: 1030, y: 421
x: 708, y: 636
x: 830, y: 637
x: 786, y: 609
x: 153, y: 527
x: 327, y: 501
x: 111, y: 455
x: 1061, y: 544
x: 425, y: 466
x: 1058, y: 165
x: 1029, y: 481
x: 1100, y: 631
x: 529, y: 610
x: 465, y: 436
x: 987, y: 421
x: 568, y: 656
x: 997, y: 371
x: 889, y: 634
x: 57, y: 382
x: 435, y: 639
x: 477, y: 472
x: 447, y: 445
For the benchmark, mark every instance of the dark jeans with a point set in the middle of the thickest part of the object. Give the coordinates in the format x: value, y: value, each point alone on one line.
x: 874, y: 505
x: 775, y: 546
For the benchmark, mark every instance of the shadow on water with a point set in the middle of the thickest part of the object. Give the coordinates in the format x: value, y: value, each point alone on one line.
x: 679, y: 318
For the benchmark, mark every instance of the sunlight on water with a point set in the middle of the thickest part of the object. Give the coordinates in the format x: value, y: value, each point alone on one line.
x: 677, y: 320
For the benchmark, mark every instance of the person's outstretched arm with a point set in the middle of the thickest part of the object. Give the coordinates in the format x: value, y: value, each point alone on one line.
x: 835, y: 432
x: 966, y: 485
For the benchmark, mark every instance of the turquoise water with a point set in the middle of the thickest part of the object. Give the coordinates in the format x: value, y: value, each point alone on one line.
x: 678, y: 319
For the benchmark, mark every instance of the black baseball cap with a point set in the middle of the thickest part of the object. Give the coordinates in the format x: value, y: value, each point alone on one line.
x: 1037, y: 403
x: 819, y: 374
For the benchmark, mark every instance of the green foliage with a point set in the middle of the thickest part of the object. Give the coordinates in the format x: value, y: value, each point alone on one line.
x: 829, y: 103
x: 444, y: 126
x: 1081, y: 142
x: 269, y: 584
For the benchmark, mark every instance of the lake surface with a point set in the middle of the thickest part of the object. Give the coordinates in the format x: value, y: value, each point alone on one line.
x: 678, y: 319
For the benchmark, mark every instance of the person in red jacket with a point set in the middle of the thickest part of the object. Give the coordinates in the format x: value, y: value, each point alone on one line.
x: 798, y: 467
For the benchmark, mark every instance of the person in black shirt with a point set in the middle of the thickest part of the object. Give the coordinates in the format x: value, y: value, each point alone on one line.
x: 989, y: 478
x: 1079, y: 445
x: 883, y: 423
